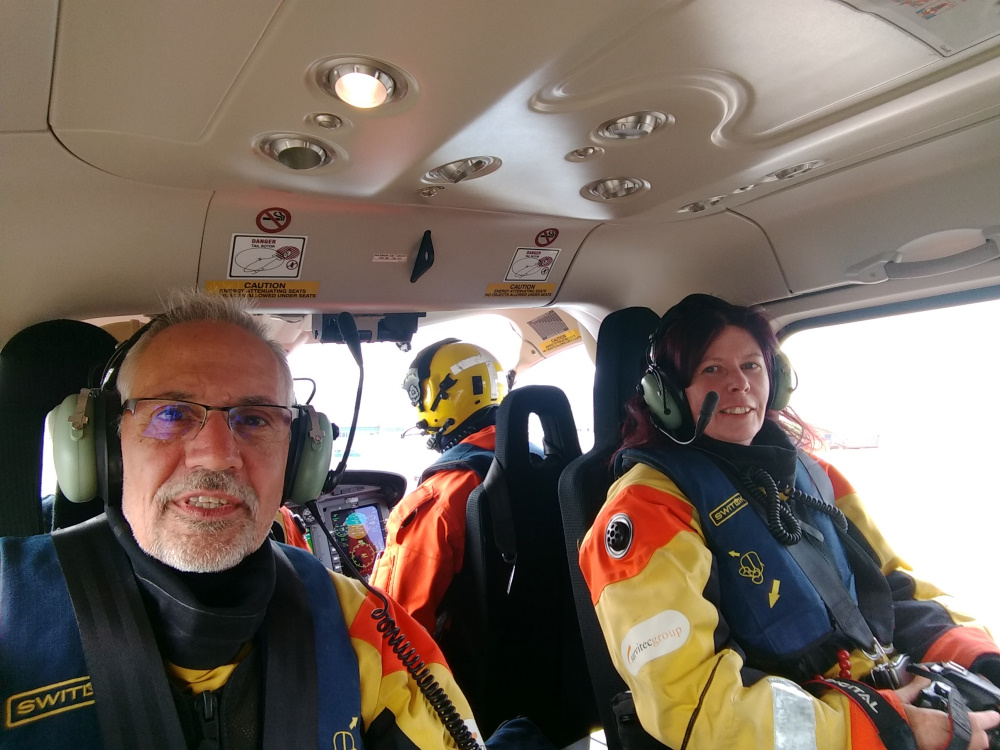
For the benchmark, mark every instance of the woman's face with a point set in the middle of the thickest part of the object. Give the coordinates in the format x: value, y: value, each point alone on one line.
x: 733, y: 367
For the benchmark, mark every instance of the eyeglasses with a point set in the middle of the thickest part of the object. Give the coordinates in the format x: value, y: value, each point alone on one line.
x: 162, y: 419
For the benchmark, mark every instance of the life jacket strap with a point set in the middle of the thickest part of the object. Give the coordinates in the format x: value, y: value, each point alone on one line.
x: 892, y: 728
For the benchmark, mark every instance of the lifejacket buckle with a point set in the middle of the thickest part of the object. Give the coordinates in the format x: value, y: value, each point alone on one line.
x: 890, y: 670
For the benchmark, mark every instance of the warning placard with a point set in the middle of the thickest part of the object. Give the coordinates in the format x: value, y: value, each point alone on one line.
x: 531, y: 264
x: 520, y: 290
x: 278, y: 257
x: 263, y: 289
x: 561, y: 340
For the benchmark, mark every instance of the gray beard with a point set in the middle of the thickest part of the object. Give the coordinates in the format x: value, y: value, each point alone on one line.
x: 199, y: 549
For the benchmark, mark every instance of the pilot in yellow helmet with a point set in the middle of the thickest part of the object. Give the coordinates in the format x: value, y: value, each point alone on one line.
x: 456, y: 388
x: 453, y: 385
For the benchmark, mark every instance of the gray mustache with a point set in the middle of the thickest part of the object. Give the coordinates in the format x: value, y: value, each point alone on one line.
x: 213, y: 481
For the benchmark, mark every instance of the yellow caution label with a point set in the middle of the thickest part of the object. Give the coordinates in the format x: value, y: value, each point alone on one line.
x: 562, y: 339
x: 520, y: 289
x: 263, y: 289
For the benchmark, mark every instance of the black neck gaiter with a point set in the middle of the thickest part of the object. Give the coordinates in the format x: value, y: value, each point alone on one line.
x: 200, y: 619
x: 771, y: 450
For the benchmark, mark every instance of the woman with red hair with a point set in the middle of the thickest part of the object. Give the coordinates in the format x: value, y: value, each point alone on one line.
x: 746, y: 598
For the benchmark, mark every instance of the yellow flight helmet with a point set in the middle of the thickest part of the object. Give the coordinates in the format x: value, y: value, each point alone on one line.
x: 451, y: 380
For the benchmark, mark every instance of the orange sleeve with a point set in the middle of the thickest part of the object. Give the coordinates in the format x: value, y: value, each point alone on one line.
x: 425, y: 543
x: 657, y: 518
x: 293, y: 536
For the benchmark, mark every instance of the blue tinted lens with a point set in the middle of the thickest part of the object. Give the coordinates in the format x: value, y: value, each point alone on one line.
x: 167, y: 420
x: 260, y: 423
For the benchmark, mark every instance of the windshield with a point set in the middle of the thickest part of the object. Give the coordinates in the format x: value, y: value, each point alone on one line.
x: 386, y: 438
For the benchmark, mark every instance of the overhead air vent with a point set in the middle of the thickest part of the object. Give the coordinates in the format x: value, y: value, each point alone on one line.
x: 793, y: 171
x: 326, y: 120
x: 635, y: 125
x: 584, y: 154
x: 455, y: 172
x: 699, y: 206
x: 297, y: 151
x: 614, y: 188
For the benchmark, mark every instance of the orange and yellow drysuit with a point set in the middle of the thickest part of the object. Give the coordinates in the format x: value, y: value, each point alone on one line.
x: 425, y: 537
x: 663, y: 618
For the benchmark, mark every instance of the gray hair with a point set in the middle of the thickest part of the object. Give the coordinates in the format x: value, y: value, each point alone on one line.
x: 192, y: 306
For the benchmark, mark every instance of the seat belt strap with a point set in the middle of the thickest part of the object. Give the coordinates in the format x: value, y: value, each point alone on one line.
x: 291, y: 702
x: 132, y: 695
x: 824, y: 578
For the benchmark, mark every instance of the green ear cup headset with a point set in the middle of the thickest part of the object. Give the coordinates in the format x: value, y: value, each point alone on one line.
x: 87, y: 449
x: 663, y: 393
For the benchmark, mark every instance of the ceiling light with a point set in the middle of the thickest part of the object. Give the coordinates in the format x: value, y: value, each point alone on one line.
x: 635, y: 125
x: 297, y: 151
x: 585, y: 153
x: 793, y: 171
x: 361, y: 82
x: 463, y: 169
x: 614, y: 188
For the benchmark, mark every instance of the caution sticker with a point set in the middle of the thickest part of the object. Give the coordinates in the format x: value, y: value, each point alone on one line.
x: 553, y: 331
x: 520, y: 290
x: 561, y: 340
x: 254, y: 256
x: 262, y: 289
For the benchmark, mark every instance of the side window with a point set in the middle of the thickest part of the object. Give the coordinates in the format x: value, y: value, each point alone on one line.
x: 384, y: 438
x: 905, y: 409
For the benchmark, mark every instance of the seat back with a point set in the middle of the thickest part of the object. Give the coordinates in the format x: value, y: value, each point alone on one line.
x: 622, y: 343
x: 514, y: 642
x: 39, y: 367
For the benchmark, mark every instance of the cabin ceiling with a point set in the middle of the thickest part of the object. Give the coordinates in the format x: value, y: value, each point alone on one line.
x: 144, y: 123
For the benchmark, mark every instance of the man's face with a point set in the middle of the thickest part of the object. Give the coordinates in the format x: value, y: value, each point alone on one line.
x: 202, y: 503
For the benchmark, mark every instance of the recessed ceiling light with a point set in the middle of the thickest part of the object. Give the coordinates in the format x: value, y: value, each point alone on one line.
x: 463, y: 169
x: 635, y: 125
x: 361, y: 82
x: 614, y: 188
x: 297, y: 151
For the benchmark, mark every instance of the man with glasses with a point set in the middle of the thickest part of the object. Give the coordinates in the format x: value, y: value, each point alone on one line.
x: 205, y: 429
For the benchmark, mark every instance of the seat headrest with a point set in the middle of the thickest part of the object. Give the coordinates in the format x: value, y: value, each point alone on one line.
x: 622, y: 342
x: 39, y: 367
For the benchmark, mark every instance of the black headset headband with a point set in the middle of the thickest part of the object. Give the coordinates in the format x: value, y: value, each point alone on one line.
x: 691, y: 303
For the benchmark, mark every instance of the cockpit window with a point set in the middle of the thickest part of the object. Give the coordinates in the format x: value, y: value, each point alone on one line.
x: 386, y: 438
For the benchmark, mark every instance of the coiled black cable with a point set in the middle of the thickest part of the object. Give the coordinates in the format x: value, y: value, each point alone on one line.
x: 794, y: 494
x: 401, y: 647
x: 421, y: 674
x: 781, y: 520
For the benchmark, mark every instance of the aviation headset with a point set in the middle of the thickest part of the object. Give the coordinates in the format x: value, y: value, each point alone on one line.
x: 663, y: 391
x: 87, y: 454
